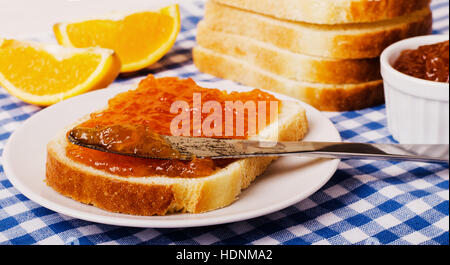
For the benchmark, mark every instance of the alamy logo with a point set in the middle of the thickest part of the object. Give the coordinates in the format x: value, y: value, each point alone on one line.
x: 228, y: 119
x: 372, y: 241
x: 72, y: 241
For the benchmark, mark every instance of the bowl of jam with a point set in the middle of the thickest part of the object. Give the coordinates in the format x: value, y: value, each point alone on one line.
x: 415, y: 73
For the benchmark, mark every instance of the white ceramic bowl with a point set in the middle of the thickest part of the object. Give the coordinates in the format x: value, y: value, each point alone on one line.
x: 417, y: 110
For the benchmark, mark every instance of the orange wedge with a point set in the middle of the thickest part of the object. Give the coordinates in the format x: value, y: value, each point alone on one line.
x: 140, y: 39
x: 44, y: 74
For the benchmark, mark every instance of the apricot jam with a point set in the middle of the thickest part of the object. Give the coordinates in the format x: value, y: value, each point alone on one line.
x: 429, y: 62
x: 149, y: 105
x: 126, y: 140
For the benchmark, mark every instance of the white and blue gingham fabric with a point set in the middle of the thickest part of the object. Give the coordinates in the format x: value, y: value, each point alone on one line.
x: 366, y: 202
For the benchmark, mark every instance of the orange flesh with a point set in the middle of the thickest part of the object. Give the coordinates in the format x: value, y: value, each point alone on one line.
x: 149, y: 105
x: 54, y: 76
x: 125, y: 36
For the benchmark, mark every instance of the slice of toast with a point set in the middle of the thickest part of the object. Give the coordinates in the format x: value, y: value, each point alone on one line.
x: 160, y: 195
x: 325, y: 97
x: 285, y: 63
x: 350, y: 41
x: 331, y: 11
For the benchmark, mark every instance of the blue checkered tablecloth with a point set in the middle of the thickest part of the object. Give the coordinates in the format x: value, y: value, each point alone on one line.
x: 366, y: 202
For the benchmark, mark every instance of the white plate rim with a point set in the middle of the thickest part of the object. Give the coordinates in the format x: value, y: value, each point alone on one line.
x: 152, y: 221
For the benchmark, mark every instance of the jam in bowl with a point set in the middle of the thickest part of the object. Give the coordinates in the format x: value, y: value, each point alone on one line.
x: 429, y: 62
x: 415, y: 75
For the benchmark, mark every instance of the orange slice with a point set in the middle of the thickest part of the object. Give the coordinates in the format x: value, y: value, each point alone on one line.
x: 140, y: 39
x: 44, y: 74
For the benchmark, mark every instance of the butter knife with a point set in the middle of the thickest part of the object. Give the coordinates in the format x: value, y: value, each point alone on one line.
x: 187, y: 148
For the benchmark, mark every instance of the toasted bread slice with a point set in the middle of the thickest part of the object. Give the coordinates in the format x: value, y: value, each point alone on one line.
x: 331, y: 11
x: 160, y: 195
x: 325, y: 97
x: 350, y: 41
x: 285, y: 63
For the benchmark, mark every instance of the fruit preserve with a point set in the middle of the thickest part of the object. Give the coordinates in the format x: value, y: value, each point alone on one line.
x: 429, y: 62
x: 151, y: 106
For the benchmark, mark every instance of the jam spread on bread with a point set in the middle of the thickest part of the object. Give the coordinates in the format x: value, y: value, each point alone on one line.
x: 429, y: 62
x: 149, y: 107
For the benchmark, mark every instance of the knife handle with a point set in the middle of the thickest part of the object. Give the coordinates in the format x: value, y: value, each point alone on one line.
x: 417, y: 152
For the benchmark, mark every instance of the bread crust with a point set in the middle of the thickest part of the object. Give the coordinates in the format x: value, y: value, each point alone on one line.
x: 339, y: 42
x: 330, y: 11
x: 106, y: 193
x: 288, y: 64
x: 324, y: 97
x: 156, y: 195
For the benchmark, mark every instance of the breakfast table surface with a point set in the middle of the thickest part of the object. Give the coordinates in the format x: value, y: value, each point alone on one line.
x: 365, y: 202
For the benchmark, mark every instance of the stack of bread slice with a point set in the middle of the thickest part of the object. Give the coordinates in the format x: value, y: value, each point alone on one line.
x: 324, y: 52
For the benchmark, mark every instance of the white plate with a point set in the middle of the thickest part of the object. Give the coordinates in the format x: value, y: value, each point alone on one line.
x: 286, y: 182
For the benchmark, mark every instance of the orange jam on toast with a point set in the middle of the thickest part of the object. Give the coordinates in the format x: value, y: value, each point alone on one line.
x: 150, y: 105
